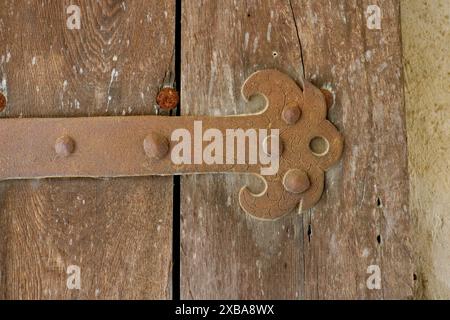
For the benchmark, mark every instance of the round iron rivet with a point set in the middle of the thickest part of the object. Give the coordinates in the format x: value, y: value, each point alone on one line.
x: 291, y: 114
x: 156, y: 146
x: 168, y: 98
x: 267, y: 147
x: 2, y: 102
x: 64, y: 146
x: 296, y: 181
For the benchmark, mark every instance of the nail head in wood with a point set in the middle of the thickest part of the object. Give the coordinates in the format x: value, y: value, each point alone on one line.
x: 296, y: 181
x: 156, y: 146
x: 64, y: 146
x: 168, y: 98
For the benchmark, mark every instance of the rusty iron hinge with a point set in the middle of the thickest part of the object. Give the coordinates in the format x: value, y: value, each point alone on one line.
x: 294, y: 120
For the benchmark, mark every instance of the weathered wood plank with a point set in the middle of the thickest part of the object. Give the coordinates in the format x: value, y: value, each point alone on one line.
x: 363, y: 218
x: 117, y: 231
x: 226, y: 253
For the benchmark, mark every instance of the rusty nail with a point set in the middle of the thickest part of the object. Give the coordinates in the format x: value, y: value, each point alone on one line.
x: 2, y: 102
x: 267, y: 148
x: 64, y: 146
x: 291, y: 113
x: 168, y: 98
x: 156, y: 146
x: 296, y: 181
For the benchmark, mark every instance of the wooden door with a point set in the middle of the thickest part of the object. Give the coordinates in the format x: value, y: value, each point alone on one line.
x: 362, y: 224
x: 116, y: 231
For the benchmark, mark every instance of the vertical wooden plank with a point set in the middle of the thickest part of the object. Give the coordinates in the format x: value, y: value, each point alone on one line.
x: 363, y: 218
x: 117, y: 231
x: 226, y: 254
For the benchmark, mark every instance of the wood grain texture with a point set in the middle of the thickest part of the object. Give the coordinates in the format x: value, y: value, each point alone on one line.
x: 224, y: 252
x: 363, y: 218
x: 117, y: 231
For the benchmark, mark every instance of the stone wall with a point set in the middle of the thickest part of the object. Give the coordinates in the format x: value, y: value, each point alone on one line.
x: 426, y: 43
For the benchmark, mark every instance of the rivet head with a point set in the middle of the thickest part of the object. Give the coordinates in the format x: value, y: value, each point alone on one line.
x: 2, y: 102
x: 156, y: 146
x: 296, y: 181
x: 64, y: 146
x: 168, y: 98
x: 267, y: 146
x: 291, y: 114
